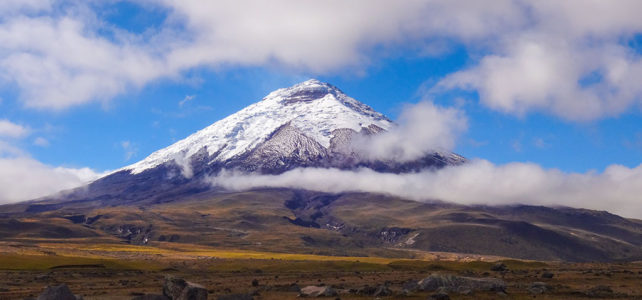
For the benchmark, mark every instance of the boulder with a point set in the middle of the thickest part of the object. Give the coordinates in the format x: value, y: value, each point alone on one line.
x: 365, y: 290
x: 459, y: 283
x: 439, y: 296
x: 318, y: 291
x: 537, y: 288
x: 548, y: 275
x: 236, y: 297
x: 382, y: 291
x: 58, y: 292
x: 151, y: 297
x: 600, y: 291
x: 499, y: 267
x: 180, y: 289
x: 410, y: 287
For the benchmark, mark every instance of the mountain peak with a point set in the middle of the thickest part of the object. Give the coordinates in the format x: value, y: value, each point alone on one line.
x: 306, y: 91
x: 316, y: 109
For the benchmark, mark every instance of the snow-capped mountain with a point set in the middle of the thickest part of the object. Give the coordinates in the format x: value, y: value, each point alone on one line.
x: 310, y: 112
x: 309, y: 124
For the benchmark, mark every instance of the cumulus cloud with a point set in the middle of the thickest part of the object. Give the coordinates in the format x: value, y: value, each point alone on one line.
x: 57, y: 62
x: 616, y: 190
x: 323, y: 36
x: 567, y: 58
x: 570, y: 62
x: 12, y: 130
x: 64, y: 57
x: 21, y: 6
x: 24, y: 178
x: 422, y: 128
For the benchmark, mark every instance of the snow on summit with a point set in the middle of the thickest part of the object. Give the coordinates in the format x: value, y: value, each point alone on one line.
x: 313, y: 107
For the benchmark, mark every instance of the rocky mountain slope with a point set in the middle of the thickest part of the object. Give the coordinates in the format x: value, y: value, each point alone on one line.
x: 352, y: 224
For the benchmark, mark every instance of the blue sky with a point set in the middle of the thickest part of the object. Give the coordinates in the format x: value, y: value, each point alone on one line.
x: 102, y: 84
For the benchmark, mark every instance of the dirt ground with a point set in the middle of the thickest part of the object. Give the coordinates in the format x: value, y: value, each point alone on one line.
x: 570, y: 281
x: 117, y: 271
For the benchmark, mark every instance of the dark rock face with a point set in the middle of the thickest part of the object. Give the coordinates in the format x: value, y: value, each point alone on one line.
x: 459, y: 283
x: 179, y: 289
x: 59, y: 292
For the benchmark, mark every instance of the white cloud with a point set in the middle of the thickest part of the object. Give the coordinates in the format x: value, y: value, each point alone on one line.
x: 24, y: 178
x: 129, y: 148
x: 62, y: 57
x: 185, y: 164
x: 40, y: 141
x: 322, y: 36
x: 423, y: 128
x: 21, y: 6
x: 12, y: 130
x: 570, y: 62
x: 532, y: 55
x: 616, y: 190
x: 61, y: 62
x: 185, y: 100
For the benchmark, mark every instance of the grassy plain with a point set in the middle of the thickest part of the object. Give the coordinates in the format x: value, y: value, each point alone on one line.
x: 122, y: 271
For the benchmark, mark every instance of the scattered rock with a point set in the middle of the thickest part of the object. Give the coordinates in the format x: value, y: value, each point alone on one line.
x: 318, y: 291
x: 294, y: 288
x: 465, y: 291
x: 150, y: 297
x: 548, y: 275
x: 365, y: 290
x: 439, y: 296
x: 499, y: 267
x: 410, y: 287
x: 460, y: 283
x: 236, y: 297
x: 179, y: 289
x: 42, y: 277
x: 58, y: 292
x: 600, y: 291
x: 382, y: 291
x: 537, y: 288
